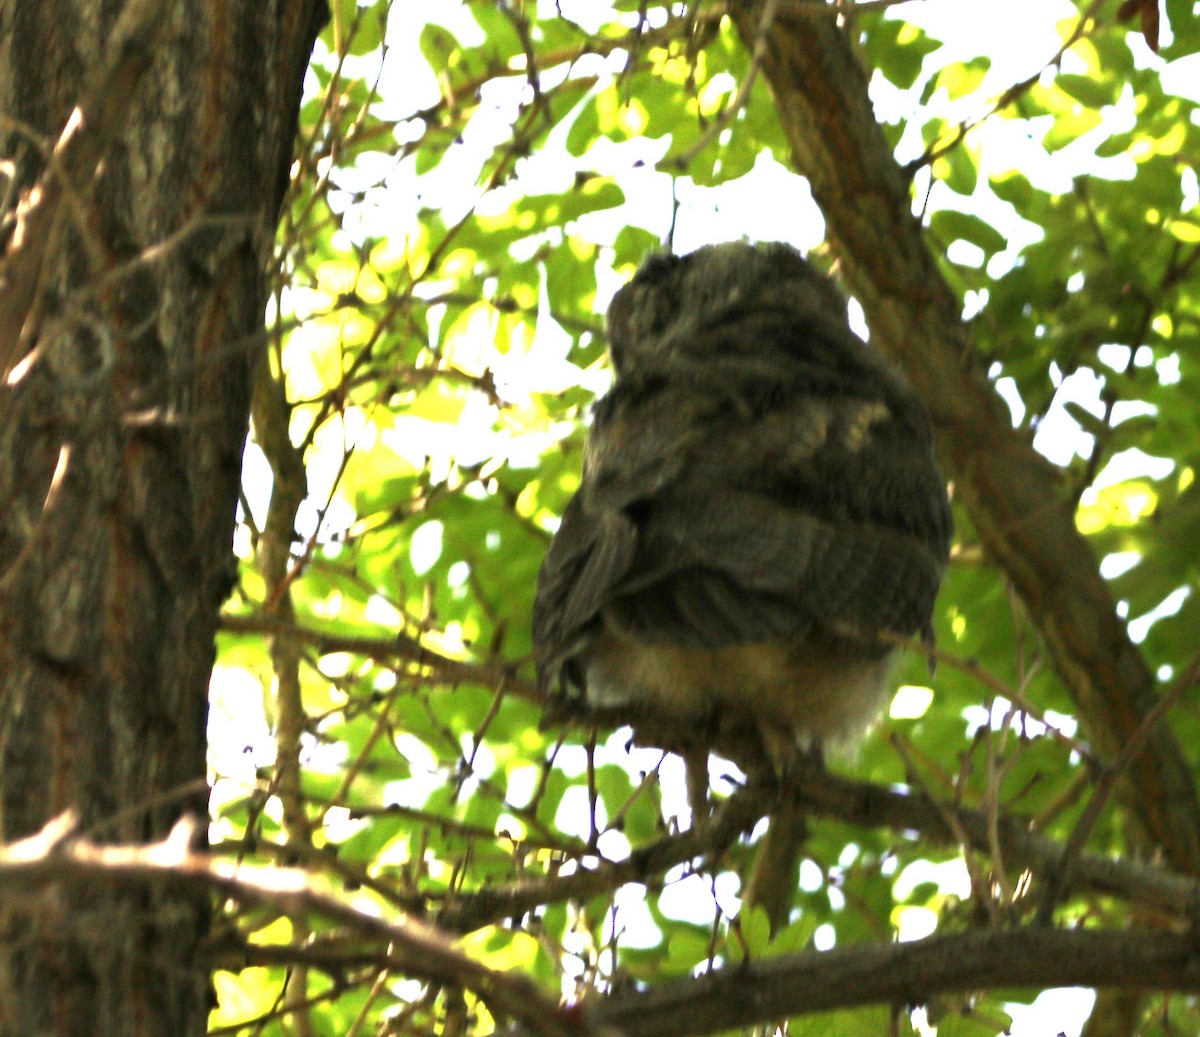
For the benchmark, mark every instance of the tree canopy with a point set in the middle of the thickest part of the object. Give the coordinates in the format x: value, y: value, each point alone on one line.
x: 1019, y: 229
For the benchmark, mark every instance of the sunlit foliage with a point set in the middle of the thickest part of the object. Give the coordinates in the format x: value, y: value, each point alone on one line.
x: 459, y: 215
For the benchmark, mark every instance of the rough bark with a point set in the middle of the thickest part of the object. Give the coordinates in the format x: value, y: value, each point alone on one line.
x: 1016, y: 499
x: 902, y: 974
x: 150, y: 145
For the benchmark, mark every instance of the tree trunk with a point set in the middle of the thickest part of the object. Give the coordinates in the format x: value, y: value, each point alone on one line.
x: 1015, y: 498
x: 147, y: 147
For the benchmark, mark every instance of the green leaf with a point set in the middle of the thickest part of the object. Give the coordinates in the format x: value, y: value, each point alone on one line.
x: 957, y: 169
x: 1013, y: 188
x: 949, y: 225
x: 898, y: 49
x: 1086, y: 90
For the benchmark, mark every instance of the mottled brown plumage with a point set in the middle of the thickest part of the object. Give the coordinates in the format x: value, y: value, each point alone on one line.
x: 759, y: 504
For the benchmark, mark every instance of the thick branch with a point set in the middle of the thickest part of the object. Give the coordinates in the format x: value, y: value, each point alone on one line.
x: 413, y: 946
x: 1015, y: 498
x: 905, y: 974
x: 857, y: 803
x: 735, y: 996
x: 862, y: 803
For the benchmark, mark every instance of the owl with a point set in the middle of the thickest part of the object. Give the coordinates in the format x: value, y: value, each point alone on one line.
x: 760, y: 514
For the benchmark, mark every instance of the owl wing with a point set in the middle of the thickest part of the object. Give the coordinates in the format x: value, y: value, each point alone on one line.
x: 749, y: 569
x: 643, y: 436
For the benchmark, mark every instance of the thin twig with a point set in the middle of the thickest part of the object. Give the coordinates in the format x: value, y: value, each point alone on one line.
x: 680, y: 162
x: 1107, y: 785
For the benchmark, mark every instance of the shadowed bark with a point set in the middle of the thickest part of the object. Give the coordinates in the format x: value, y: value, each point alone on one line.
x: 149, y: 147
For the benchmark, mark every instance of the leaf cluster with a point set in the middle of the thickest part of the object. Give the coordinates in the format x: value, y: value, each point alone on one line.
x: 473, y: 183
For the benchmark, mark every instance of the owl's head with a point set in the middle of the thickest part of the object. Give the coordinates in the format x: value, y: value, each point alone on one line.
x: 674, y: 302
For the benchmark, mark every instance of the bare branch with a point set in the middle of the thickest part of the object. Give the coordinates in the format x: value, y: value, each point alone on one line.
x: 406, y: 942
x: 905, y: 974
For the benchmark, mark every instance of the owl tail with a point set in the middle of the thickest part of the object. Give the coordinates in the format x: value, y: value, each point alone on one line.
x: 774, y: 875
